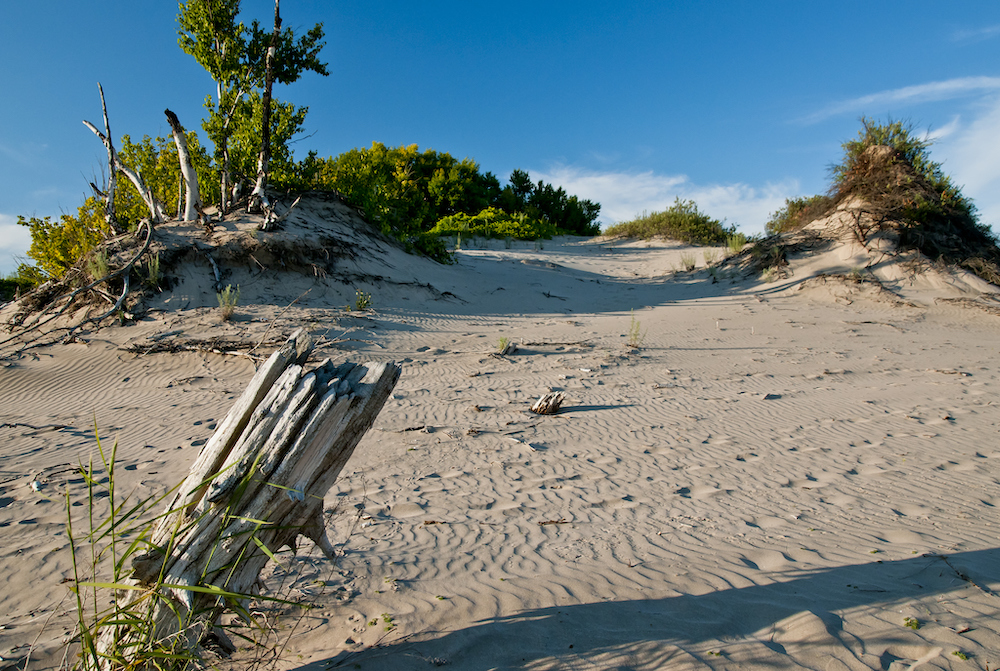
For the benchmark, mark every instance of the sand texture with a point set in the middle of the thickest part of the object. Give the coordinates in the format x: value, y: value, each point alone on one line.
x: 776, y: 475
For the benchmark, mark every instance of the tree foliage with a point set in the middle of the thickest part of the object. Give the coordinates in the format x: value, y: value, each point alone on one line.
x: 234, y: 54
x: 406, y: 191
x: 57, y: 245
x: 157, y: 162
x: 553, y: 204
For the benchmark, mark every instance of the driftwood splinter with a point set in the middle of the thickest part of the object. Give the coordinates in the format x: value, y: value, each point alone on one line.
x: 548, y: 404
x: 257, y: 485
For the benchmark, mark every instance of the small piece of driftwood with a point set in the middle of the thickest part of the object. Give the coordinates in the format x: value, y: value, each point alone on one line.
x: 548, y: 404
x: 257, y: 485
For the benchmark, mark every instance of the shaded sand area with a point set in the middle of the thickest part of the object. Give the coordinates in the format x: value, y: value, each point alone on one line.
x: 778, y: 477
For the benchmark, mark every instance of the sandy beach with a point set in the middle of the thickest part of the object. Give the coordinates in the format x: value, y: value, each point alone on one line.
x: 775, y: 475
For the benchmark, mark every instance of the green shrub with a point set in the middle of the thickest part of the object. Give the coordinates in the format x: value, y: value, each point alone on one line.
x: 681, y: 221
x: 12, y: 285
x: 430, y: 245
x: 494, y: 223
x: 798, y: 212
x: 57, y: 246
x: 229, y: 298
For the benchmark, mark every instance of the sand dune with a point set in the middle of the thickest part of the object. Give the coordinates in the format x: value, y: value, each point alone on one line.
x: 777, y: 477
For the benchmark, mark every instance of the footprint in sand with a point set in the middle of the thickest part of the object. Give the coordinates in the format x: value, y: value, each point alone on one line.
x: 700, y: 491
x: 766, y: 560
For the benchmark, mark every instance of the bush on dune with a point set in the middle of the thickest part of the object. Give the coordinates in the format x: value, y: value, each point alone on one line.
x: 494, y: 223
x: 681, y: 221
x: 796, y: 213
x: 888, y: 183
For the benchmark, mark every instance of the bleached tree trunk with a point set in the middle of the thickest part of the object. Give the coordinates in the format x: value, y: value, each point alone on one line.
x: 257, y: 485
x: 155, y: 210
x: 264, y: 158
x: 192, y: 203
x: 109, y: 193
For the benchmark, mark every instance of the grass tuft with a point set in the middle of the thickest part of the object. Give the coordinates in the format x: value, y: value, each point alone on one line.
x: 228, y: 299
x: 636, y: 335
x: 681, y: 221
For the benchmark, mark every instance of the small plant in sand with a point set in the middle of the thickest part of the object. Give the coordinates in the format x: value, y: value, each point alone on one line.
x: 736, y: 242
x: 961, y: 655
x: 911, y: 622
x: 153, y: 270
x: 636, y: 335
x: 362, y: 301
x: 856, y: 275
x: 228, y: 299
x: 710, y: 256
x: 688, y: 262
x: 772, y: 274
x: 502, y: 343
x: 97, y: 264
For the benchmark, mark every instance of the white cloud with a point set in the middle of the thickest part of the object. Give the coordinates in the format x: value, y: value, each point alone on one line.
x: 14, y: 240
x: 921, y: 93
x: 971, y: 155
x: 624, y: 195
x: 976, y: 35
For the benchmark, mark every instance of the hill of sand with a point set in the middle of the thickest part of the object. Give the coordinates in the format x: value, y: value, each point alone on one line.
x: 778, y: 476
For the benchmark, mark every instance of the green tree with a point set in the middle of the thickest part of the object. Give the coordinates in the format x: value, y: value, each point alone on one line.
x: 235, y: 56
x: 544, y: 201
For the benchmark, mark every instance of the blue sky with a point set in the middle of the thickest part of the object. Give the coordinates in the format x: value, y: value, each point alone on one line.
x: 737, y: 105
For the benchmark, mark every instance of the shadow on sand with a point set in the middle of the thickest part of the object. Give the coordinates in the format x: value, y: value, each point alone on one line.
x: 658, y: 628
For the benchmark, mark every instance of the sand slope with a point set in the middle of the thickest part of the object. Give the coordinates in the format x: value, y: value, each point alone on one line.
x: 776, y: 478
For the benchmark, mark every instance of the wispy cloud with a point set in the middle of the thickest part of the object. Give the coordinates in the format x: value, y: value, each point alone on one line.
x: 971, y: 155
x: 912, y: 95
x: 624, y: 195
x: 14, y: 241
x: 976, y: 34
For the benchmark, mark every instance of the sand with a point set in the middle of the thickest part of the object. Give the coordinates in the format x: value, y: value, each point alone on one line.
x: 778, y: 476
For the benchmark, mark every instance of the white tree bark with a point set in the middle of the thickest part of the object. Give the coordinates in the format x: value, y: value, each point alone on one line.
x: 109, y: 194
x: 192, y: 204
x: 155, y: 209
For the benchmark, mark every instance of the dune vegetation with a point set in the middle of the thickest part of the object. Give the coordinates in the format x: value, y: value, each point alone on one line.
x: 681, y: 221
x: 889, y: 184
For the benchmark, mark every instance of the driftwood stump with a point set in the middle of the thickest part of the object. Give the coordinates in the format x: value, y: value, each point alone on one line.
x: 548, y: 404
x: 257, y: 485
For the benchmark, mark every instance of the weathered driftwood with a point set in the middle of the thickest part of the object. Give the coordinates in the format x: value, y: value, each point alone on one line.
x: 257, y: 485
x: 508, y: 348
x: 548, y: 404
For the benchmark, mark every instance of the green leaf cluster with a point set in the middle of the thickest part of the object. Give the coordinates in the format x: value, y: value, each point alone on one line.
x: 155, y: 159
x: 495, y: 223
x: 796, y: 213
x: 57, y: 245
x: 681, y: 221
x: 889, y: 168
